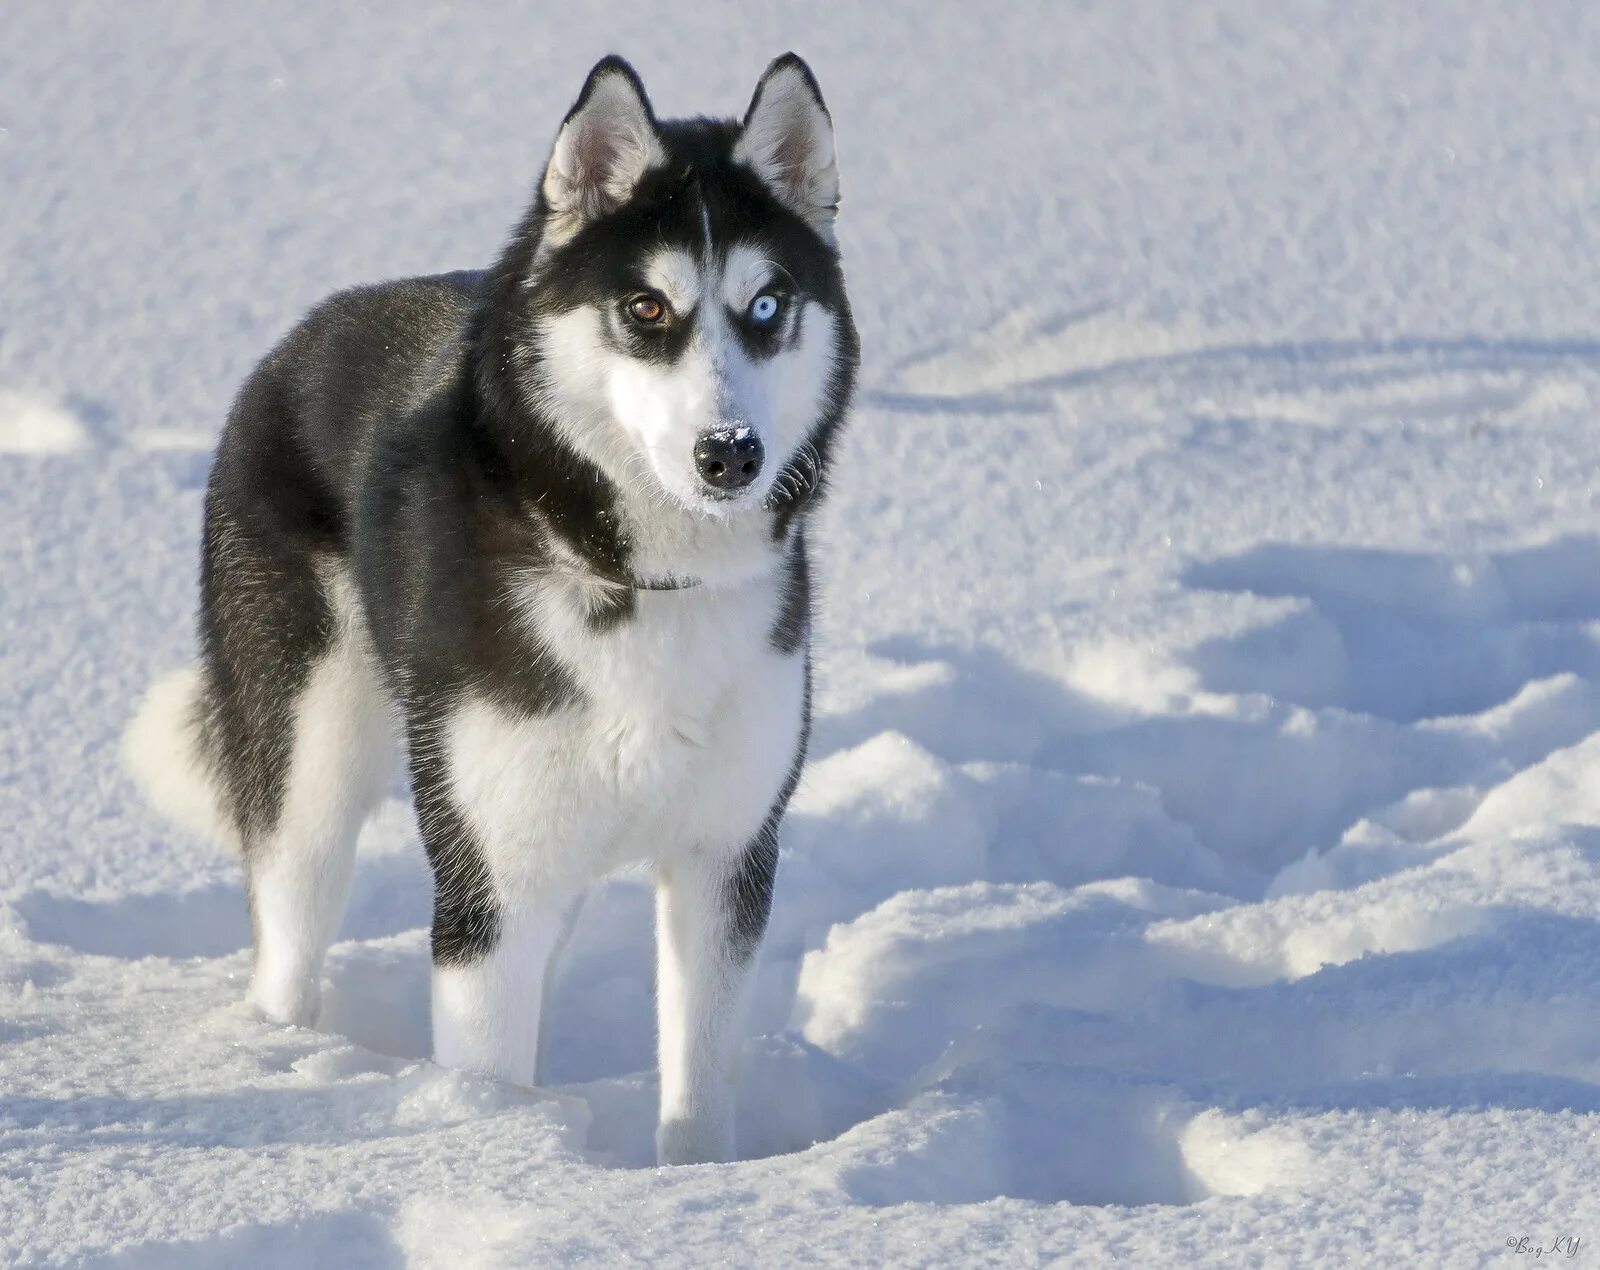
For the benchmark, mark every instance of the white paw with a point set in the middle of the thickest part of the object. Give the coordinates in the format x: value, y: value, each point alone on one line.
x: 701, y: 1140
x: 297, y: 1003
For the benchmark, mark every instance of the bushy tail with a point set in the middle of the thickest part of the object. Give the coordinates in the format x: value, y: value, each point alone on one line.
x: 161, y: 750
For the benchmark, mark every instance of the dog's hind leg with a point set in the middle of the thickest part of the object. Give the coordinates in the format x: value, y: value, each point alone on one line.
x: 294, y: 733
x: 300, y: 872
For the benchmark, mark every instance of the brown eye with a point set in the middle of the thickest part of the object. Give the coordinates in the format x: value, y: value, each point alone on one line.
x: 647, y: 309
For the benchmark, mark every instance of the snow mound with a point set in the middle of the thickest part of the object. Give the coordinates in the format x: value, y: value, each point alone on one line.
x: 32, y: 425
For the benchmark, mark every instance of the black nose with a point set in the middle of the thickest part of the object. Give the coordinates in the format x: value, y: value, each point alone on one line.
x: 729, y: 459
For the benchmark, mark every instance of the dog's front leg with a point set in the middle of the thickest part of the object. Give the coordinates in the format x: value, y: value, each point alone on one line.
x: 711, y: 911
x: 504, y: 894
x: 487, y: 1004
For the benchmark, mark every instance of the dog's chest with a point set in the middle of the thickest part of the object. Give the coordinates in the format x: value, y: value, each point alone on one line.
x: 688, y: 719
x: 683, y: 676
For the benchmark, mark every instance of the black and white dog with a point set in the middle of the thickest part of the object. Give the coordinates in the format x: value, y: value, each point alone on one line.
x: 547, y: 524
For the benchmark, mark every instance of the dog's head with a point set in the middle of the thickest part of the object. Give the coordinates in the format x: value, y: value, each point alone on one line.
x: 688, y: 328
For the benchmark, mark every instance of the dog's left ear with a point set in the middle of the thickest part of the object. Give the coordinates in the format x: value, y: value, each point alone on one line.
x: 788, y: 141
x: 607, y: 142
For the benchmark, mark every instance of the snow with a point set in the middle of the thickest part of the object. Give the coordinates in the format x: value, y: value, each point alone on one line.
x: 31, y: 426
x: 1200, y: 860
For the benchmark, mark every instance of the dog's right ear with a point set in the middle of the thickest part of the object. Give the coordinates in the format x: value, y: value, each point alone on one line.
x: 607, y: 142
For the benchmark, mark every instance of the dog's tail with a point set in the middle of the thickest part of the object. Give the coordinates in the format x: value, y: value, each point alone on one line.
x: 162, y: 751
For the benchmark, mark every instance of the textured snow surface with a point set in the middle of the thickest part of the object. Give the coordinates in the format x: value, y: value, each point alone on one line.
x: 1200, y: 861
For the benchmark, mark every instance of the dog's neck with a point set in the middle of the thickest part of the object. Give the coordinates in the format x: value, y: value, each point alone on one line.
x: 668, y: 541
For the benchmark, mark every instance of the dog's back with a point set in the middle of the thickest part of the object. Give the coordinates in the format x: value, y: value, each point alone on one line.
x: 209, y: 742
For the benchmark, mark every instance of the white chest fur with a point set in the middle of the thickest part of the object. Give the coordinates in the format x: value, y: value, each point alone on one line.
x: 685, y: 729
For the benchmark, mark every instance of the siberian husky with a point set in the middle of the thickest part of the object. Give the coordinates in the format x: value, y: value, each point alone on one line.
x: 542, y: 531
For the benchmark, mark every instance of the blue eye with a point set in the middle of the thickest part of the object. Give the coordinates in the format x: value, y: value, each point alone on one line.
x: 764, y: 308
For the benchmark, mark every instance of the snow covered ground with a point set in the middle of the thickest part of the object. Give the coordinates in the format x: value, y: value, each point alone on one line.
x: 1200, y: 861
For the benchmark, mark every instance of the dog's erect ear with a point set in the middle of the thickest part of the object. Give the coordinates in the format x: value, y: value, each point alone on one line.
x: 607, y: 142
x: 788, y: 141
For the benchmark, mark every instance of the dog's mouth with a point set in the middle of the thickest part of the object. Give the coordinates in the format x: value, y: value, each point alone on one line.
x: 722, y: 505
x: 793, y: 483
